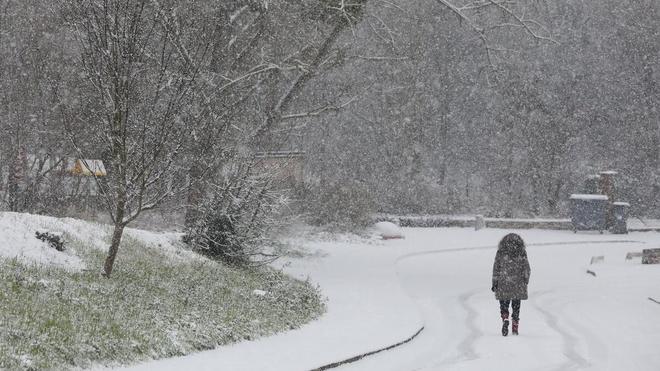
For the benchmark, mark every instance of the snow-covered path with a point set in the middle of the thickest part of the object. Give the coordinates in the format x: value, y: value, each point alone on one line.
x: 573, y: 321
x: 380, y: 293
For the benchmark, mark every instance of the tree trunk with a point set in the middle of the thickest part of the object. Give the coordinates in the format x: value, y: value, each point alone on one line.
x: 195, y: 196
x: 119, y: 164
x: 17, y: 177
x: 114, y: 248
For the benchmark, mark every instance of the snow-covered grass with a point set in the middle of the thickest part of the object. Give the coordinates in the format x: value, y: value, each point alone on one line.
x: 162, y: 301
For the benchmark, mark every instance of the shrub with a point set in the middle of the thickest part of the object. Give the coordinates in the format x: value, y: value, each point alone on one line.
x: 55, y: 241
x: 234, y: 224
x: 342, y: 204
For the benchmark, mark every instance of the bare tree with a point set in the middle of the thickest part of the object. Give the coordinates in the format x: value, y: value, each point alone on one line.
x: 495, y: 22
x: 141, y: 63
x: 30, y: 65
x: 261, y: 64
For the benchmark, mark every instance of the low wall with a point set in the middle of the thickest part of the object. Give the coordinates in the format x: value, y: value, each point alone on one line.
x: 442, y: 221
x: 559, y: 224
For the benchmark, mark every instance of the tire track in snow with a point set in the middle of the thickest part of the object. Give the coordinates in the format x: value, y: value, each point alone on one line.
x: 595, y: 347
x: 575, y: 360
x: 466, y: 347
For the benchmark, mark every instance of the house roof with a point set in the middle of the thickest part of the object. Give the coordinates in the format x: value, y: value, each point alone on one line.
x: 88, y: 167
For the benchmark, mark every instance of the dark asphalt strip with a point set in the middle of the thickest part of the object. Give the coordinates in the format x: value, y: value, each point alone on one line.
x: 361, y: 356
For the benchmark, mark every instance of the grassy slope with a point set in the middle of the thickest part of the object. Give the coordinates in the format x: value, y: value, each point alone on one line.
x: 154, y: 306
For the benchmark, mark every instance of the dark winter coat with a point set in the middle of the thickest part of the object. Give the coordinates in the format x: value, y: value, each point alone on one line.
x: 511, y: 274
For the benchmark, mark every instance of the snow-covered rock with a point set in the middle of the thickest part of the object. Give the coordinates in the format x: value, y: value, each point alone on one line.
x: 388, y: 230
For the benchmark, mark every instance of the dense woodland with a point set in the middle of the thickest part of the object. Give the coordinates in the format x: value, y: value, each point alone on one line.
x: 415, y: 106
x: 452, y: 129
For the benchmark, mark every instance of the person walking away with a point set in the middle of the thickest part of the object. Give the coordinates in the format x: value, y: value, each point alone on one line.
x: 511, y: 273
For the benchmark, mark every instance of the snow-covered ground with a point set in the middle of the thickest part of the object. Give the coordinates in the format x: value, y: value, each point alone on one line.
x: 382, y: 292
x: 17, y: 239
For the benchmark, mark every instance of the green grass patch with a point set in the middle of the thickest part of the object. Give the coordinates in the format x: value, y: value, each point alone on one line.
x: 154, y: 306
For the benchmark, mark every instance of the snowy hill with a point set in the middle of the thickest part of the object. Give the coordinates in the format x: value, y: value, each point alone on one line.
x: 57, y: 312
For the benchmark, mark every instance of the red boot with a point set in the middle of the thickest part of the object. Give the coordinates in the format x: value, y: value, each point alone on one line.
x: 514, y: 327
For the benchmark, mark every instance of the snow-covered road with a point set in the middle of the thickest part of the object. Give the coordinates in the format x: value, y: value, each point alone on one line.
x: 382, y: 292
x: 573, y: 320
